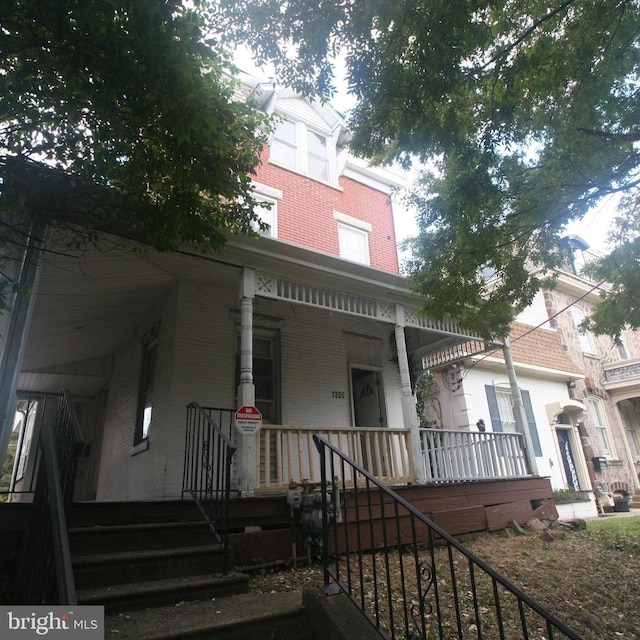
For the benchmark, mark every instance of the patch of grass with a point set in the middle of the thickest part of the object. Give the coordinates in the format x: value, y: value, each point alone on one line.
x: 619, y: 534
x: 630, y: 525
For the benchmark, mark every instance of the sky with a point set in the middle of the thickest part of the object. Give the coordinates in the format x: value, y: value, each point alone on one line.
x: 593, y: 228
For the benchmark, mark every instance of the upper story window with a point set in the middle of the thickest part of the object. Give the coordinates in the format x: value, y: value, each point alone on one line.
x: 632, y: 426
x: 587, y: 343
x: 303, y: 149
x: 596, y: 412
x: 621, y: 349
x: 268, y: 213
x: 353, y: 238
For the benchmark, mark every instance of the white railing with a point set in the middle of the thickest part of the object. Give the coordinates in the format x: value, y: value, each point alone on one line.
x: 452, y: 456
x: 288, y: 453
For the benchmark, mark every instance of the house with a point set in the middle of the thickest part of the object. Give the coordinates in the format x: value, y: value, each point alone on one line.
x: 310, y: 323
x: 610, y: 387
x: 579, y: 393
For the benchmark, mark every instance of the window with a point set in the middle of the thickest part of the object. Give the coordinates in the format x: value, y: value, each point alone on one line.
x: 145, y: 394
x: 505, y: 408
x: 630, y: 419
x: 296, y: 146
x: 353, y: 238
x: 283, y: 146
x: 318, y: 160
x: 596, y: 412
x: 269, y: 215
x: 266, y: 352
x: 585, y: 338
x: 621, y: 349
x: 502, y: 416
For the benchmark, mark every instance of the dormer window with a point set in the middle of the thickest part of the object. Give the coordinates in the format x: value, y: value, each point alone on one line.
x: 306, y: 150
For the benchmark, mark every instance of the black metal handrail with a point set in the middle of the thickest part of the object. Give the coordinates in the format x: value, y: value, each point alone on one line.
x: 207, y: 472
x: 45, y: 574
x: 408, y: 576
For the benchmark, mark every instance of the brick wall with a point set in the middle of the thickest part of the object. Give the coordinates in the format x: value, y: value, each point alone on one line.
x: 305, y: 212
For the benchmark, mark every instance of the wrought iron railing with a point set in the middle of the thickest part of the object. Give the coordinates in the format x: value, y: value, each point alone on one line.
x: 409, y: 577
x: 207, y: 471
x: 44, y: 573
x: 454, y: 456
x: 33, y: 409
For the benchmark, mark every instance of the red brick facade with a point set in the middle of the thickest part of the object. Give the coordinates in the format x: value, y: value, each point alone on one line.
x: 306, y: 212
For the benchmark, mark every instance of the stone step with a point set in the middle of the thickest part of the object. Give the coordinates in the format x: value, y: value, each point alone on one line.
x: 157, y: 593
x: 240, y: 617
x: 110, y: 538
x: 107, y: 569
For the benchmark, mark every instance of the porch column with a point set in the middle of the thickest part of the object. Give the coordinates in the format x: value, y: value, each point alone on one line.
x: 409, y: 410
x: 519, y: 414
x: 15, y: 338
x: 246, y: 388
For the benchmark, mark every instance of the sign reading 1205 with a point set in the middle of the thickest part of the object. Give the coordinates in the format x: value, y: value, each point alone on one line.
x: 337, y: 394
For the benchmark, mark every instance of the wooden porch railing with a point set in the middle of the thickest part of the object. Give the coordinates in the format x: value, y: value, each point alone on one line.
x: 454, y: 456
x: 288, y: 453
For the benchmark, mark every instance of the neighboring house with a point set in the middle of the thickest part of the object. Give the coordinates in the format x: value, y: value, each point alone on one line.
x: 581, y: 393
x: 311, y: 323
x: 610, y: 387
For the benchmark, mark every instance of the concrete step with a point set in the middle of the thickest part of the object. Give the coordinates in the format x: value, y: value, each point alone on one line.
x: 107, y: 569
x: 157, y: 593
x: 105, y: 539
x: 240, y: 617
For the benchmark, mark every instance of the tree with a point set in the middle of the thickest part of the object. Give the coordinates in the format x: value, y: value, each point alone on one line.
x: 117, y: 114
x: 526, y: 114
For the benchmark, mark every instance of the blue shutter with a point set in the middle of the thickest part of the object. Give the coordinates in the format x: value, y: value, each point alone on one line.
x: 535, y: 439
x: 494, y: 412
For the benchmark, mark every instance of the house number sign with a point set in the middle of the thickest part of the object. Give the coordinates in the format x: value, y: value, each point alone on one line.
x: 338, y: 394
x: 248, y: 420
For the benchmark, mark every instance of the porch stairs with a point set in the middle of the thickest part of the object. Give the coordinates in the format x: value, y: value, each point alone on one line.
x: 635, y: 500
x: 159, y: 578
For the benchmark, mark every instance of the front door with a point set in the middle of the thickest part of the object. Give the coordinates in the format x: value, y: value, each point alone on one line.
x: 568, y: 461
x: 368, y: 398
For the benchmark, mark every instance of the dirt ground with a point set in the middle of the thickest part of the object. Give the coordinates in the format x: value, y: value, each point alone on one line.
x: 590, y: 581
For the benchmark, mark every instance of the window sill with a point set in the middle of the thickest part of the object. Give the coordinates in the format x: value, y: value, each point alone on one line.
x: 140, y: 447
x: 328, y: 183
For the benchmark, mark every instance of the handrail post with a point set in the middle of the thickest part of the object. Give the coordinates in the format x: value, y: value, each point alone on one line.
x: 62, y: 552
x: 325, y: 509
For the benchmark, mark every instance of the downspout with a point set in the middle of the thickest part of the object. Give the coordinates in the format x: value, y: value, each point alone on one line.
x: 519, y: 413
x: 409, y: 410
x: 16, y: 336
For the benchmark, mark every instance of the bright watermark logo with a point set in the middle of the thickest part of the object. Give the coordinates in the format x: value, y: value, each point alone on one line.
x: 25, y: 622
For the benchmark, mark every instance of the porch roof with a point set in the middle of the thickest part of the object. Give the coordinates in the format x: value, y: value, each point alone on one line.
x: 88, y: 303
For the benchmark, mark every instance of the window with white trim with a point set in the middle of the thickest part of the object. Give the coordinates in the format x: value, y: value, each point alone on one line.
x: 304, y: 149
x: 505, y: 408
x: 268, y: 215
x: 631, y: 425
x: 621, y: 349
x: 267, y: 208
x: 598, y: 418
x: 353, y: 238
x: 587, y: 343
